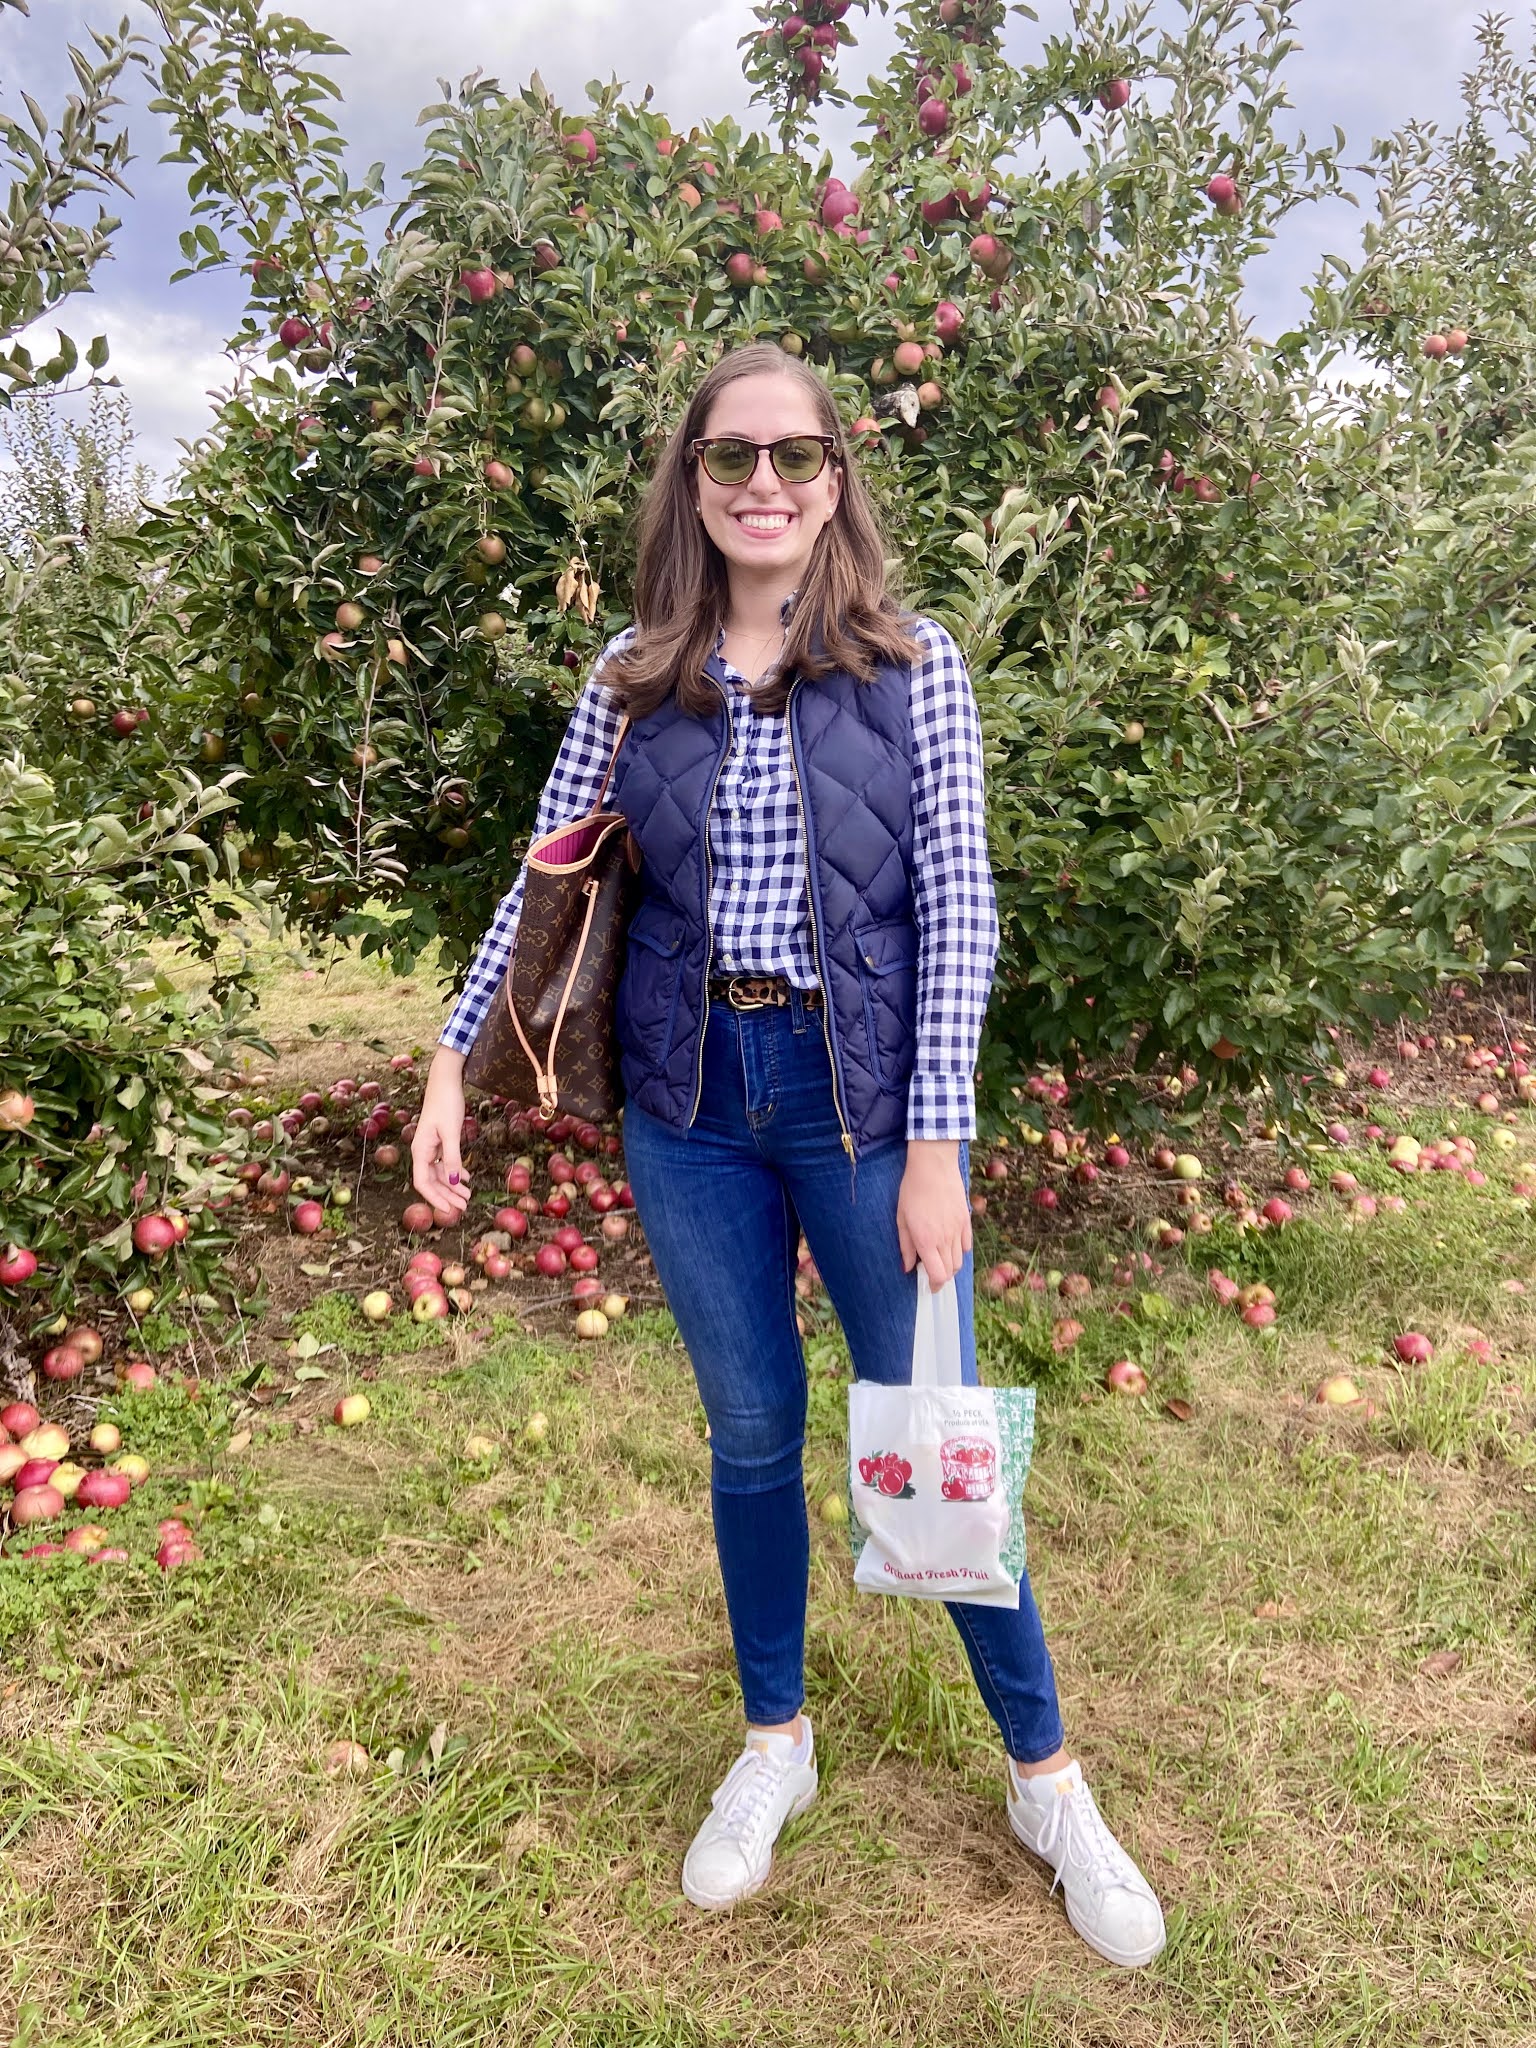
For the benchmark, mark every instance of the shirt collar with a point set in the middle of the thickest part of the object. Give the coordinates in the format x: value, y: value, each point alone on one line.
x: 785, y: 610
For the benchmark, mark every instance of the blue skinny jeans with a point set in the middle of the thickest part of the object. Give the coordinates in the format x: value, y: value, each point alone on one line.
x: 723, y: 1205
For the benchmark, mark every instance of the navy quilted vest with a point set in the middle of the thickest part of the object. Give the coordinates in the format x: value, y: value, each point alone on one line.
x: 852, y: 748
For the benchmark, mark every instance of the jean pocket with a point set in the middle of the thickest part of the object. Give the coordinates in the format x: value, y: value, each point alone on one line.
x: 888, y: 979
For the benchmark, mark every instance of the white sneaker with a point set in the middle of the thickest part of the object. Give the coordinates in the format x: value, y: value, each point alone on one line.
x: 1108, y: 1900
x: 732, y: 1854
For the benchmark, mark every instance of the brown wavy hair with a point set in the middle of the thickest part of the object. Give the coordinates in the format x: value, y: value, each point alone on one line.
x: 845, y: 615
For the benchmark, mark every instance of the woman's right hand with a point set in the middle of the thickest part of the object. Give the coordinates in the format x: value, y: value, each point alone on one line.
x: 437, y: 1171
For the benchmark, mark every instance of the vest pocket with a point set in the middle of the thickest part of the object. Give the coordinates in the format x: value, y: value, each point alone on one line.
x: 653, y: 980
x: 887, y: 955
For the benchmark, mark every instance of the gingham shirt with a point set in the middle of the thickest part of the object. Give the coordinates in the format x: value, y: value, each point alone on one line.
x: 757, y: 907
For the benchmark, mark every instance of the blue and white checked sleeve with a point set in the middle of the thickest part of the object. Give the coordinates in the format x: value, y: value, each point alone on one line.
x: 574, y: 780
x: 952, y: 888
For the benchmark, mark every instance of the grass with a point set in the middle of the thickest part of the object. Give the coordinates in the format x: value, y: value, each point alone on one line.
x: 534, y: 1650
x: 322, y: 1005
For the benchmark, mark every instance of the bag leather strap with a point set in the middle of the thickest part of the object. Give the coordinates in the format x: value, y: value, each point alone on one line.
x: 544, y: 1076
x: 613, y: 761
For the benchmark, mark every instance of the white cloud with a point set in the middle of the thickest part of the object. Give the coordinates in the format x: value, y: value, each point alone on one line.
x: 168, y: 362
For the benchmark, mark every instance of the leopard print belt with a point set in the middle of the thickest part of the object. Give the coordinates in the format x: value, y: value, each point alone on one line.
x: 757, y: 991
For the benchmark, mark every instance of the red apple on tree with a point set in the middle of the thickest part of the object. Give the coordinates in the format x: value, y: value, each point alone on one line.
x: 838, y: 204
x: 990, y: 257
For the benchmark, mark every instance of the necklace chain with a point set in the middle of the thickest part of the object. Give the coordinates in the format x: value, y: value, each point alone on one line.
x: 783, y: 636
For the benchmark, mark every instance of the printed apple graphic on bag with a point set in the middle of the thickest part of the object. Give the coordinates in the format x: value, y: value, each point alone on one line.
x: 969, y: 1468
x: 889, y: 1473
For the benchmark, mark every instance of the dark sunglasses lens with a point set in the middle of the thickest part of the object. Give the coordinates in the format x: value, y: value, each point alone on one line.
x: 798, y: 461
x: 730, y: 462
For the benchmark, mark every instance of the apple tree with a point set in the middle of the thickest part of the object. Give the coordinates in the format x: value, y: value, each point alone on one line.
x: 107, y: 1069
x: 1239, y: 797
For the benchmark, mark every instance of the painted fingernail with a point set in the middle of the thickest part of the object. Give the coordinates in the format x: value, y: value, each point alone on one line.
x: 453, y: 1180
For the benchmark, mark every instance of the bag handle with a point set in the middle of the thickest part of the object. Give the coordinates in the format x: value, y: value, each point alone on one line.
x: 613, y: 760
x: 936, y: 1338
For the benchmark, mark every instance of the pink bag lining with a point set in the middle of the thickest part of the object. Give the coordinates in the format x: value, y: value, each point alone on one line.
x: 573, y: 845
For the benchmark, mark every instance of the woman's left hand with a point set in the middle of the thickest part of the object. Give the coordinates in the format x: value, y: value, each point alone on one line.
x: 933, y: 1209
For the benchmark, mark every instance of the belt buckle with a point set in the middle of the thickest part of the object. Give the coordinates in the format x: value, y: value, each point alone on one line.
x: 751, y: 1003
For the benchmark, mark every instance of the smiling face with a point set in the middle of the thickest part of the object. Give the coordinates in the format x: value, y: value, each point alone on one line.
x: 768, y: 551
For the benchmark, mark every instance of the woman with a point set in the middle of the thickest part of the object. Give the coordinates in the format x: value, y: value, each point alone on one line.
x: 802, y: 996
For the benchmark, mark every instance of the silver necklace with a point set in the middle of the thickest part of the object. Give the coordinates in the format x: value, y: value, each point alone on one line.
x: 783, y: 636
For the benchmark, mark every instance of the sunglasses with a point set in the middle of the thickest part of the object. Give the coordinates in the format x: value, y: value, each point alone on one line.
x: 798, y: 458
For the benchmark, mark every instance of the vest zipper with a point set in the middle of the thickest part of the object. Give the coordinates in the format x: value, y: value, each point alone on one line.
x: 810, y: 899
x: 709, y: 876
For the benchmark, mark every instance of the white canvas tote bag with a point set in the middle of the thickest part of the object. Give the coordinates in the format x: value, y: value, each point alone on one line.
x: 936, y: 1472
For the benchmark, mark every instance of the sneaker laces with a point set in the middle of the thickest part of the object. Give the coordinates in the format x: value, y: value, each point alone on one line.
x: 750, y: 1788
x: 1075, y: 1814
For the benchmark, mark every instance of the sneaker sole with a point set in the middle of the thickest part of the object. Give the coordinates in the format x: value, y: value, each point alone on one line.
x: 1129, y: 1959
x: 709, y: 1904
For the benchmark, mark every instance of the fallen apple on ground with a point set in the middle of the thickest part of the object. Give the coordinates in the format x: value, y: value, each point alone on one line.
x: 1413, y: 1348
x: 1339, y: 1391
x: 104, y: 1490
x: 36, y: 1504
x: 350, y: 1410
x: 66, y: 1478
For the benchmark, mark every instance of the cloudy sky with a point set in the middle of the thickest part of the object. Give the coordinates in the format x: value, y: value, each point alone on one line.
x: 1367, y: 65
